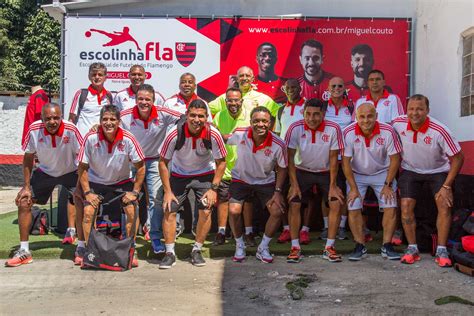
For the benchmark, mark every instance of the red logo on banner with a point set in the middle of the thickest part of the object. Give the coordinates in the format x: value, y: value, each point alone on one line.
x: 185, y: 53
x: 380, y: 141
x: 325, y: 138
x: 427, y: 140
x: 116, y: 38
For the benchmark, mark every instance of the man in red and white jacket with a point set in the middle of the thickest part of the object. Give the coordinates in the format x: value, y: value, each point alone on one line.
x: 56, y: 142
x: 428, y: 148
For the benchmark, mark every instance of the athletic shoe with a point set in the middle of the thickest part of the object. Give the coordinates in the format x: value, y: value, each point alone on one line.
x: 397, y: 238
x: 411, y: 255
x: 157, y: 246
x: 442, y: 258
x: 294, y: 256
x: 324, y: 234
x: 284, y: 236
x: 249, y: 240
x: 220, y: 239
x: 264, y: 255
x: 146, y: 232
x: 69, y: 238
x: 197, y: 259
x: 341, y: 233
x: 359, y: 252
x: 239, y: 254
x: 331, y: 255
x: 135, y: 260
x: 79, y: 255
x: 21, y: 256
x: 304, y: 237
x: 168, y: 261
x: 389, y: 253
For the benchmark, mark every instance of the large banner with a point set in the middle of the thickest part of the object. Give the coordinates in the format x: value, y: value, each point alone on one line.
x: 310, y: 49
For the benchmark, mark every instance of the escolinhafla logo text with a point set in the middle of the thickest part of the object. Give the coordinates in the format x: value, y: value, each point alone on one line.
x: 184, y: 53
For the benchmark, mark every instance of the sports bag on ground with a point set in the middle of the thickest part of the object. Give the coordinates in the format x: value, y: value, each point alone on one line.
x: 39, y: 223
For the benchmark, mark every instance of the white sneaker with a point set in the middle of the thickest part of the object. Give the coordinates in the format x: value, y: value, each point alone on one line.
x: 264, y: 255
x: 240, y: 254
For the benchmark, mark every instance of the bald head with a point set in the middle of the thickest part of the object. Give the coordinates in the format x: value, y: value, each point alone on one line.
x: 366, y: 116
x: 51, y: 117
x: 51, y: 106
x: 367, y: 107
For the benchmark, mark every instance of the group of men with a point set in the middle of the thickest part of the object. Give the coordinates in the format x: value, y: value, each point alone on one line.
x: 242, y: 151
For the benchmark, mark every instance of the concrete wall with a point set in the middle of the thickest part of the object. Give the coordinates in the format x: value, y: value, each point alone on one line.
x: 12, y: 115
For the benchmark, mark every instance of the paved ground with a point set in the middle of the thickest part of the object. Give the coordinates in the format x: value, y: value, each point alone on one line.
x: 374, y: 286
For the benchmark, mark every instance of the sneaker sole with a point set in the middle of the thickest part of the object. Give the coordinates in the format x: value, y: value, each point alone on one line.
x: 239, y: 260
x: 167, y: 267
x: 19, y: 264
x: 358, y: 258
x: 293, y: 260
x: 159, y: 251
x: 202, y: 264
x: 263, y: 259
x: 406, y: 262
x: 385, y: 256
x: 331, y: 260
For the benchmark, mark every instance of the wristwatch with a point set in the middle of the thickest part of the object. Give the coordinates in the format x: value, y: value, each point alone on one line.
x: 136, y: 193
x: 277, y: 189
x: 389, y: 184
x: 215, y: 186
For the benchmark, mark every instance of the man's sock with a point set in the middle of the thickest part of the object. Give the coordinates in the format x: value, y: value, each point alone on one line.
x: 197, y: 246
x: 305, y: 229
x: 295, y: 243
x: 25, y: 245
x: 330, y: 242
x: 414, y: 246
x: 265, y: 241
x: 240, y: 241
x: 248, y: 230
x: 286, y: 227
x: 222, y: 230
x: 81, y: 243
x: 170, y: 248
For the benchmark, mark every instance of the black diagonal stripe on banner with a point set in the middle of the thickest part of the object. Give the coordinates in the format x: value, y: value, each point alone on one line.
x: 205, y: 94
x: 202, y: 22
x: 228, y: 32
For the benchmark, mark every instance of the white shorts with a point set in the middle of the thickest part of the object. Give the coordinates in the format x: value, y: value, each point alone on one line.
x: 377, y: 183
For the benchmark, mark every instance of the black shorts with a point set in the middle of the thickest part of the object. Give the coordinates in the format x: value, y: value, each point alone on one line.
x: 223, y: 191
x: 181, y: 186
x: 306, y: 181
x: 108, y: 192
x: 241, y: 192
x: 42, y: 185
x: 411, y: 183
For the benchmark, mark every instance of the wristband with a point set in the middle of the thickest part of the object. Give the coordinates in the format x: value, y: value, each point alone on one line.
x: 136, y: 193
x: 88, y: 192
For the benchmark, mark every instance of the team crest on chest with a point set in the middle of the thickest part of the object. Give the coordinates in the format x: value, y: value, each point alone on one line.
x: 66, y: 140
x: 357, y: 140
x: 347, y: 112
x: 121, y: 146
x: 325, y: 138
x: 427, y: 140
x: 133, y: 123
x: 380, y: 141
x: 155, y: 122
x: 403, y: 133
x: 386, y: 102
x: 41, y: 140
x: 97, y: 145
x: 268, y: 152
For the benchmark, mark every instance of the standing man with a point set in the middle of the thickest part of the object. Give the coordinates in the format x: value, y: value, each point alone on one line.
x: 234, y: 116
x: 250, y: 97
x: 432, y: 156
x: 192, y: 158
x: 388, y: 105
x: 56, y: 142
x: 87, y: 103
x: 314, y: 79
x: 313, y: 146
x: 149, y: 123
x: 260, y: 152
x: 34, y: 107
x: 127, y: 98
x: 371, y: 158
x: 104, y: 170
x: 267, y: 81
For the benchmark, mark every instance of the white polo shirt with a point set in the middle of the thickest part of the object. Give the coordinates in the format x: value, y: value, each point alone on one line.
x: 313, y: 146
x: 341, y: 116
x: 193, y: 159
x: 179, y: 104
x: 56, y: 153
x: 256, y: 164
x: 127, y: 99
x: 426, y: 151
x: 370, y: 155
x: 388, y: 106
x: 90, y: 112
x: 151, y: 133
x: 109, y: 163
x: 291, y: 113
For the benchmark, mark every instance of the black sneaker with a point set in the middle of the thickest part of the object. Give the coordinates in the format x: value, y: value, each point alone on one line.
x: 359, y: 252
x: 389, y: 253
x: 197, y: 259
x: 220, y: 239
x: 168, y: 261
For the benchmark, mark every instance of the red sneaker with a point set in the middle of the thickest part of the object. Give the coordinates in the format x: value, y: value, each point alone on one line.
x: 442, y: 259
x: 69, y: 240
x: 411, y: 256
x: 294, y: 256
x: 284, y: 236
x: 20, y: 257
x: 397, y: 238
x: 135, y: 260
x: 146, y: 232
x: 331, y: 255
x: 304, y: 237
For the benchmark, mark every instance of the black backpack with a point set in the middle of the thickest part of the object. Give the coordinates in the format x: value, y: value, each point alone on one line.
x: 82, y: 100
x: 40, y: 222
x: 182, y: 138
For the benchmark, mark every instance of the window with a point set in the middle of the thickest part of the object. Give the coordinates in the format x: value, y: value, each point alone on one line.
x: 467, y: 83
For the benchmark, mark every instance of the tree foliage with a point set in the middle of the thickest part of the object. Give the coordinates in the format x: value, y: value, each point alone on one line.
x: 29, y: 46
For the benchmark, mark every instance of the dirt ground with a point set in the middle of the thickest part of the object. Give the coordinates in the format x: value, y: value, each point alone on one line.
x: 373, y: 286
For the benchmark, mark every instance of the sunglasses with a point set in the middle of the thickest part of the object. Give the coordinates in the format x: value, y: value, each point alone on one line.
x: 334, y: 86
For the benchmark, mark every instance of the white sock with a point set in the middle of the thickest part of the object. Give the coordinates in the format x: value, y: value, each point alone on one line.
x: 330, y: 242
x: 197, y: 246
x: 286, y: 227
x: 295, y: 243
x: 438, y: 248
x: 415, y: 246
x: 81, y: 244
x: 170, y: 248
x: 326, y: 221
x: 305, y: 229
x: 222, y: 230
x: 265, y: 242
x: 248, y: 230
x: 343, y: 221
x: 239, y: 241
x: 72, y: 231
x: 25, y: 245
